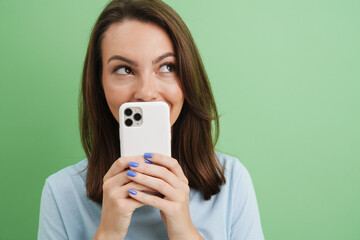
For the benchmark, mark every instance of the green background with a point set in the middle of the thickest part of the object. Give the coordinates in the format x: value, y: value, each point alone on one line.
x: 285, y: 75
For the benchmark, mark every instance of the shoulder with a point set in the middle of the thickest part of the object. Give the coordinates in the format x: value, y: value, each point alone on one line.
x: 233, y: 168
x: 238, y: 180
x: 74, y: 171
x: 242, y: 202
x: 235, y: 206
x: 65, y: 210
x: 68, y: 179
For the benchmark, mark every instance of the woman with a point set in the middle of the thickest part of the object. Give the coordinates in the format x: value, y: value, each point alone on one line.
x: 140, y: 50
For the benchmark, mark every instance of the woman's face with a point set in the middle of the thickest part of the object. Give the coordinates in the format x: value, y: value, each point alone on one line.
x: 139, y: 66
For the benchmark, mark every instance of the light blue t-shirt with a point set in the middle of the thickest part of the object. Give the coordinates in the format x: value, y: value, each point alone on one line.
x: 67, y: 213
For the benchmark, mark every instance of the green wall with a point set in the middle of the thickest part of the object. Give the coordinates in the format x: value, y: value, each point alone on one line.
x: 286, y: 77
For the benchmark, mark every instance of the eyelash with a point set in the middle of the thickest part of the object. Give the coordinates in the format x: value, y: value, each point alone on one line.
x: 121, y: 66
x: 171, y: 64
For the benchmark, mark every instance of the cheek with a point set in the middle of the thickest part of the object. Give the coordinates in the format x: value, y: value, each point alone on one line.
x: 114, y: 98
x: 176, y: 99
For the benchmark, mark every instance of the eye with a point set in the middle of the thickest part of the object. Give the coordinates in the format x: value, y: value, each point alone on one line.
x: 123, y: 70
x: 167, y: 67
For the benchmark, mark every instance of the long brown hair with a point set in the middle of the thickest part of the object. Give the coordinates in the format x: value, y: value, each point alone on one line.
x: 194, y: 137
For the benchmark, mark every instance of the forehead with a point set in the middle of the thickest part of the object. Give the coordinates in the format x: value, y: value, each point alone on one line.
x: 133, y: 36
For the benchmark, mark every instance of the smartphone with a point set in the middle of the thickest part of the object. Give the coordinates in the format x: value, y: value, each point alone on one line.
x: 144, y: 127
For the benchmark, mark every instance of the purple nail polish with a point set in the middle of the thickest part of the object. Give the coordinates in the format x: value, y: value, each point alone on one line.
x: 148, y: 155
x: 133, y: 164
x: 133, y: 192
x: 131, y: 173
x: 147, y: 161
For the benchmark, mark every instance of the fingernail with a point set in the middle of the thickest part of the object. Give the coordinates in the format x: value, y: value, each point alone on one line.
x: 131, y: 173
x: 148, y: 155
x: 147, y: 161
x: 133, y: 164
x: 133, y: 192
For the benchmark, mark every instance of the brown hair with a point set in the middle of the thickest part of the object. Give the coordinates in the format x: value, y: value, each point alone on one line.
x: 193, y: 138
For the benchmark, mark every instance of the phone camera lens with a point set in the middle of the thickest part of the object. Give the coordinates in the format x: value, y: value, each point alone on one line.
x: 137, y: 116
x: 128, y: 112
x: 128, y: 122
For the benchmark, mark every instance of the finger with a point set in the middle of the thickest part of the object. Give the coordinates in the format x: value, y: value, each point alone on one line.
x: 129, y: 203
x: 120, y: 194
x: 158, y: 171
x: 154, y: 183
x: 119, y: 179
x: 168, y: 162
x: 124, y: 190
x: 150, y: 200
x: 120, y: 165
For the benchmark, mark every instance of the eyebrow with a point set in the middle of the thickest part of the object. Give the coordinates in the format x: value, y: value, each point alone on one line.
x: 165, y: 55
x: 131, y: 62
x: 118, y: 57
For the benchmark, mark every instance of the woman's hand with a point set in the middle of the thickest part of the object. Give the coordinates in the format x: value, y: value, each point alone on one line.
x: 117, y: 206
x: 166, y: 177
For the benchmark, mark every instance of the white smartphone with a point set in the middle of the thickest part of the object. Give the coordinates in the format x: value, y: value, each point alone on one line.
x: 144, y: 127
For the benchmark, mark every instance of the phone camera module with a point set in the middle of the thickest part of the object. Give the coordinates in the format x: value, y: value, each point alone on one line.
x: 128, y: 122
x: 128, y: 112
x: 137, y: 116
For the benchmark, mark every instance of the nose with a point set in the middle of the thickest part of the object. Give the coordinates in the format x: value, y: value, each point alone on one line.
x: 147, y: 89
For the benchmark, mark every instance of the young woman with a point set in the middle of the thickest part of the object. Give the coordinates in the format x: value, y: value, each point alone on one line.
x: 141, y: 50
